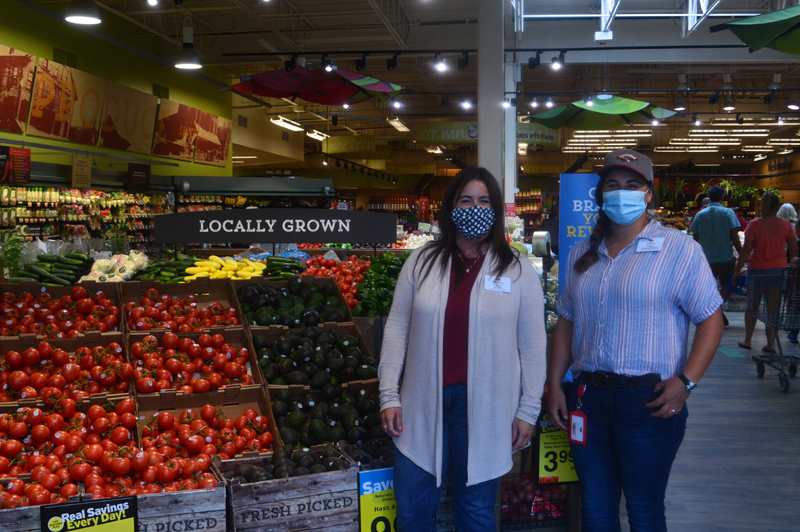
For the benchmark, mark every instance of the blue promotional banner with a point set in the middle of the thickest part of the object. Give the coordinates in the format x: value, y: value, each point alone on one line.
x: 377, y: 508
x: 577, y: 216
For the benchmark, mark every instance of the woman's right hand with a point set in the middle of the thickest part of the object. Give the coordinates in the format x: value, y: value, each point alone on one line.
x: 557, y: 406
x: 392, y: 421
x: 736, y: 275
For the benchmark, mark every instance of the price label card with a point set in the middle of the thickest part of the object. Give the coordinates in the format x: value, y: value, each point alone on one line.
x: 119, y: 514
x: 425, y: 228
x: 555, y: 457
x: 377, y: 508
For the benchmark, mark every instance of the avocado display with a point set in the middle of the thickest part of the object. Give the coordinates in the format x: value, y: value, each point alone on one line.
x: 286, y: 462
x: 323, y: 358
x: 297, y: 305
x: 376, y: 454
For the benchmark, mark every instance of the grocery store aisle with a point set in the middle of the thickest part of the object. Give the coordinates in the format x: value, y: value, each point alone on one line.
x: 738, y: 469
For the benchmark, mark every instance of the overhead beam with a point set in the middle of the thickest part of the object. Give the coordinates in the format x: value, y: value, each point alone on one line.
x: 398, y: 10
x: 135, y: 22
x: 266, y: 24
x: 608, y: 11
x: 697, y: 11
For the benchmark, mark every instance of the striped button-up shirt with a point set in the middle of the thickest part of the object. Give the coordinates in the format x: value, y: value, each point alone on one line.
x: 631, y: 313
x: 712, y: 226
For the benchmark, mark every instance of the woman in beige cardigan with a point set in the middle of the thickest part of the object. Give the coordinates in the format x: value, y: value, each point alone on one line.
x: 463, y: 360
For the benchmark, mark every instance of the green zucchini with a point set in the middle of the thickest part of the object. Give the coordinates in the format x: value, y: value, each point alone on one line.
x: 73, y: 262
x: 47, y: 258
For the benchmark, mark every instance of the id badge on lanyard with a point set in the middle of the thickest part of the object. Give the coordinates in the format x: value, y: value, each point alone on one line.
x: 577, y: 421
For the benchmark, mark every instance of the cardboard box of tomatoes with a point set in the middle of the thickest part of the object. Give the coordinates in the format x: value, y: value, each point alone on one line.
x: 92, y: 366
x: 193, y: 363
x: 196, y: 306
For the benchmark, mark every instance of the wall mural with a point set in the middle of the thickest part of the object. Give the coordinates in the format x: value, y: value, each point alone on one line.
x: 129, y: 117
x: 67, y: 104
x: 213, y: 139
x: 16, y: 77
x: 176, y: 131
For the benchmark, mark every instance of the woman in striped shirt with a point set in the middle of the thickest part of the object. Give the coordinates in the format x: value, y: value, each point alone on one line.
x: 630, y: 291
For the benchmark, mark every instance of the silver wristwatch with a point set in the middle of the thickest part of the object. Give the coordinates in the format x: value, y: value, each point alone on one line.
x: 690, y: 386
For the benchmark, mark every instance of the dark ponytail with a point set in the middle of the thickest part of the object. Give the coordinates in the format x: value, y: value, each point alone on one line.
x: 602, y: 229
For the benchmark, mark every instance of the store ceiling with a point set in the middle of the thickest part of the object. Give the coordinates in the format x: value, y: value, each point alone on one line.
x: 225, y: 28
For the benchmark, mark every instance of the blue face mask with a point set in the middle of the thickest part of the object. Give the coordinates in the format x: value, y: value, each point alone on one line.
x: 624, y: 206
x: 473, y: 222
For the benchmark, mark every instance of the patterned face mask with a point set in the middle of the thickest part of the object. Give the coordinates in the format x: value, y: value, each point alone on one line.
x: 473, y: 222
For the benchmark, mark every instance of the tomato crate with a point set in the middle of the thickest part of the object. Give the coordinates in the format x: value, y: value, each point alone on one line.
x: 26, y: 519
x: 319, y: 501
x: 266, y: 336
x: 525, y: 504
x: 111, y: 290
x: 319, y: 282
x: 91, y: 340
x: 206, y: 291
x: 231, y: 402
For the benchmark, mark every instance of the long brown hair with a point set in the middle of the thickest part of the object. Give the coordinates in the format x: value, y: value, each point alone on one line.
x: 445, y: 248
x: 602, y: 228
x: 770, y: 203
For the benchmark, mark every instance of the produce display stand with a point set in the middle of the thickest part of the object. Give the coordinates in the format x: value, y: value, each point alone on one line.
x: 321, y: 501
x: 319, y: 282
x: 26, y: 519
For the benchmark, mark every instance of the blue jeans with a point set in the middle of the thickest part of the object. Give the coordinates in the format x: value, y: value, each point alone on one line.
x: 415, y: 489
x: 625, y: 448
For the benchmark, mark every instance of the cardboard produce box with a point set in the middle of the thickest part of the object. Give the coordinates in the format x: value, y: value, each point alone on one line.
x: 235, y: 337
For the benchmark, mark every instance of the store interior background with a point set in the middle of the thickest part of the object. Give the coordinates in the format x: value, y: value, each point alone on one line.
x: 136, y: 43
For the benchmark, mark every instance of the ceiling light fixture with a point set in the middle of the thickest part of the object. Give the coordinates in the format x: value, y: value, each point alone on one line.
x: 557, y: 62
x: 655, y: 122
x: 325, y: 161
x: 187, y: 57
x: 361, y: 64
x: 729, y: 105
x: 780, y: 121
x: 682, y: 86
x: 534, y: 103
x: 396, y: 103
x: 535, y: 60
x: 286, y: 123
x: 244, y: 157
x: 604, y: 96
x: 793, y: 105
x: 549, y: 102
x: 439, y: 63
x: 587, y: 99
x: 327, y: 64
x: 152, y: 2
x: 463, y: 62
x: 696, y: 120
x: 338, y: 163
x: 317, y: 135
x: 506, y: 103
x: 466, y: 104
x: 346, y: 106
x: 289, y: 64
x: 392, y: 62
x: 398, y: 124
x: 83, y: 12
x: 714, y: 98
x: 726, y: 85
x: 679, y: 103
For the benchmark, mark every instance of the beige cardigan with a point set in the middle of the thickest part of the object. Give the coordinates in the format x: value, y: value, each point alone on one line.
x: 506, y: 364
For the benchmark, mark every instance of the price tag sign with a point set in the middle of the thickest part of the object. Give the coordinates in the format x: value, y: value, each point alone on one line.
x: 119, y: 514
x: 425, y: 228
x: 377, y: 508
x: 555, y: 455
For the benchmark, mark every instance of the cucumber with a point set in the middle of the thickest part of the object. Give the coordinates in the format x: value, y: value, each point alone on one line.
x: 64, y: 274
x: 41, y: 272
x: 44, y: 265
x: 47, y: 258
x: 58, y: 280
x: 17, y: 280
x: 28, y: 275
x: 79, y: 256
x: 168, y: 274
x: 73, y: 262
x: 70, y: 267
x: 50, y: 284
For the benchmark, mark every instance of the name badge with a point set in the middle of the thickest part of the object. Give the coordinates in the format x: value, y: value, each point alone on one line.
x: 497, y: 284
x: 649, y: 244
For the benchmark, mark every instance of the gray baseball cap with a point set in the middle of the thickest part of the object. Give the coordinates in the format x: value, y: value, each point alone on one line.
x: 632, y: 160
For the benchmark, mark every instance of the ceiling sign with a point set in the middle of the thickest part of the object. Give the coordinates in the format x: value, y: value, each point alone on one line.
x: 349, y: 144
x: 467, y: 132
x: 411, y: 168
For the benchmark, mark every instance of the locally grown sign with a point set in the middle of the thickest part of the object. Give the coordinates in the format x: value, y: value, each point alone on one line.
x: 276, y: 226
x: 467, y: 132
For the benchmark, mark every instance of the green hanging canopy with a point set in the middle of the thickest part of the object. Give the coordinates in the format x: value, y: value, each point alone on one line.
x: 603, y: 114
x: 776, y: 30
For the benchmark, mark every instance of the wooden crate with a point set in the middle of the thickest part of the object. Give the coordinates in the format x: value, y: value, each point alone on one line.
x: 323, y: 501
x: 205, y: 290
x: 233, y: 401
x: 26, y: 519
x: 236, y: 337
x: 202, y: 509
x: 70, y: 345
x: 275, y: 331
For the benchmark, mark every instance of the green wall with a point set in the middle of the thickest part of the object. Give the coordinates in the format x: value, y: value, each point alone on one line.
x: 37, y: 34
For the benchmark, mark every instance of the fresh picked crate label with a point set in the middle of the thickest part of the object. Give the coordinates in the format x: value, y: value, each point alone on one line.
x: 182, y: 525
x: 305, y: 507
x: 117, y: 515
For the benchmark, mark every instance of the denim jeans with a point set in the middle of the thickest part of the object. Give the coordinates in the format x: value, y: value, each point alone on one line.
x: 625, y: 448
x: 415, y: 489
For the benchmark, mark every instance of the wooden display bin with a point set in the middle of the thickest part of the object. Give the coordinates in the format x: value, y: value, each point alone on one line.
x: 26, y: 519
x: 322, y: 501
x: 318, y: 281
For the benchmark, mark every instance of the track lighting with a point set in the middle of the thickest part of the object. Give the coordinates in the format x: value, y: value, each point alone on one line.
x: 325, y: 161
x: 535, y: 61
x: 289, y: 64
x: 557, y: 62
x: 739, y: 119
x: 338, y: 163
x: 655, y: 122
x: 327, y: 64
x: 713, y: 99
x: 534, y: 103
x: 362, y: 169
x: 83, y: 12
x: 793, y: 104
x: 696, y: 120
x: 152, y: 2
x: 346, y: 106
x: 396, y: 103
x: 769, y: 97
x: 780, y: 121
x: 506, y: 103
x: 439, y: 63
x: 463, y: 62
x: 466, y: 104
x: 392, y: 62
x: 361, y: 64
x: 334, y: 120
x: 588, y: 100
x: 549, y: 102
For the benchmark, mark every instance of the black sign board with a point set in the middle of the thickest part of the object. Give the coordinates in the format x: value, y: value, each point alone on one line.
x: 138, y: 177
x: 119, y: 514
x: 276, y: 226
x: 15, y: 166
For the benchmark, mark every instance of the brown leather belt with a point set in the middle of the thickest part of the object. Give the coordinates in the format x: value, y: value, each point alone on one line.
x: 612, y: 380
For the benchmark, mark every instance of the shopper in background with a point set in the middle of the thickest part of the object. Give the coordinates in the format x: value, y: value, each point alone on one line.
x: 705, y: 203
x: 794, y: 262
x: 630, y: 291
x: 765, y: 242
x: 466, y: 334
x: 716, y: 228
x: 742, y: 222
x: 787, y: 212
x: 551, y: 226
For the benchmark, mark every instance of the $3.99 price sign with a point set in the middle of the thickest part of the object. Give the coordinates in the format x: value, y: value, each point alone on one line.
x: 555, y: 456
x: 377, y: 508
x: 104, y: 515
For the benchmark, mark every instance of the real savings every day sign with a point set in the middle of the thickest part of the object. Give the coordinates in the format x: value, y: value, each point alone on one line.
x: 101, y: 515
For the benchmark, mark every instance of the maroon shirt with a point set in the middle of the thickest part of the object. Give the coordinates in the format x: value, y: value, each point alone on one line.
x: 456, y: 321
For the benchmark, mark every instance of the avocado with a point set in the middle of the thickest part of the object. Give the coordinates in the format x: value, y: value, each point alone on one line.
x: 295, y: 406
x: 312, y: 332
x: 240, y: 479
x: 283, y: 346
x: 309, y: 369
x: 382, y: 453
x: 359, y: 456
x: 294, y: 284
x: 323, y: 349
x: 351, y: 362
x: 324, y: 338
x: 281, y: 422
x: 310, y: 316
x: 329, y: 451
x: 328, y: 290
x: 260, y: 342
x: 333, y: 353
x: 289, y: 436
x: 266, y: 352
x: 354, y: 352
x: 320, y: 379
x: 335, y: 464
x: 263, y: 476
x: 297, y: 377
x: 300, y: 471
x: 367, y: 361
x: 318, y: 360
x: 287, y: 366
x: 351, y: 420
x: 295, y: 419
x: 251, y: 473
x: 346, y: 375
x: 278, y: 382
x: 283, y: 395
x: 271, y: 372
x: 302, y: 354
x: 365, y: 372
x: 376, y: 432
x: 320, y: 412
x: 331, y: 392
x: 317, y: 468
x: 283, y: 472
x: 283, y: 462
x: 357, y: 435
x: 337, y: 411
x: 336, y: 434
x: 366, y: 406
x: 334, y: 315
x: 370, y: 420
x: 334, y: 365
x: 229, y: 474
x: 306, y: 438
x: 306, y: 461
x: 284, y: 451
x: 347, y: 341
x: 279, y: 409
x: 318, y: 430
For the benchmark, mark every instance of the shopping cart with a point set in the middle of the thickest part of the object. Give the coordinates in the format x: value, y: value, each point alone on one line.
x: 775, y: 300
